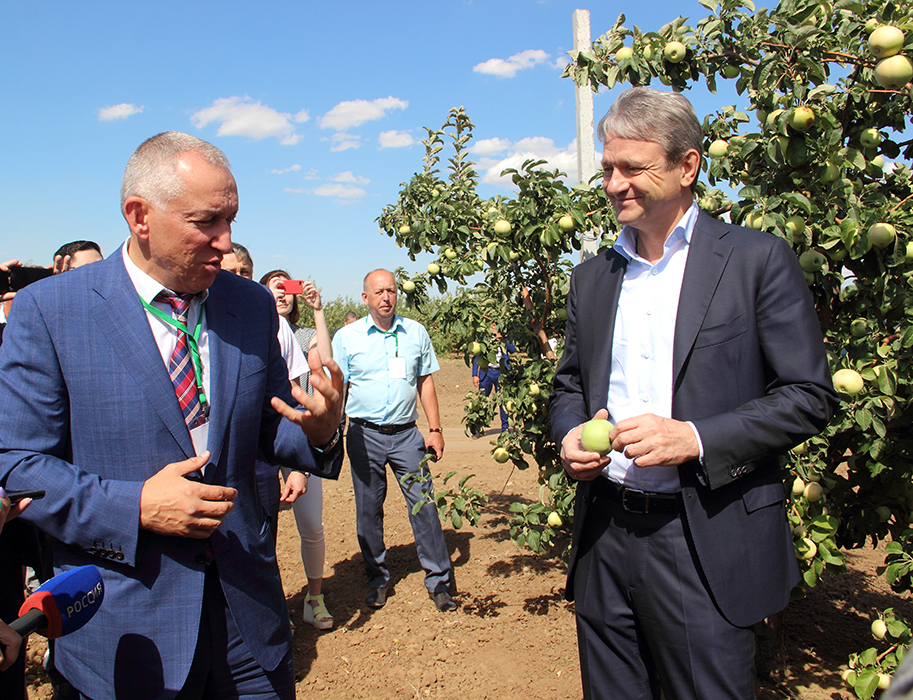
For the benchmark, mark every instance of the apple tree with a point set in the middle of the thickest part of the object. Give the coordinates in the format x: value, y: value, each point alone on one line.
x: 518, y: 248
x: 817, y: 151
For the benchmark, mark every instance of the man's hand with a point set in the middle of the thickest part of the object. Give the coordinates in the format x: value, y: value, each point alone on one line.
x: 577, y: 462
x: 171, y: 504
x: 475, y: 381
x: 323, y: 410
x: 9, y: 646
x: 61, y: 263
x: 435, y: 441
x: 296, y: 485
x: 651, y: 441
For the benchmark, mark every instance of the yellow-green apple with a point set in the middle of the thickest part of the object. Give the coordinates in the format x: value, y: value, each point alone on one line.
x: 674, y: 52
x: 502, y: 227
x: 433, y: 269
x: 879, y: 629
x: 881, y: 235
x: 859, y: 327
x: 808, y: 549
x: 623, y: 53
x: 513, y: 256
x: 811, y: 261
x: 908, y: 257
x: 795, y: 226
x: 450, y: 254
x: 802, y: 118
x: 730, y: 71
x: 830, y: 174
x: 408, y: 286
x: 554, y: 520
x: 595, y: 436
x: 475, y: 348
x: 870, y: 137
x: 501, y: 455
x: 566, y: 222
x: 871, y: 25
x: 814, y: 491
x: 798, y: 487
x: 405, y: 228
x: 885, y: 41
x: 894, y: 72
x: 718, y: 149
x: 848, y: 381
x: 534, y: 389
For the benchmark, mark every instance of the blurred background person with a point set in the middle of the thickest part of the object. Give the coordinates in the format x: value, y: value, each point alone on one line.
x: 308, y: 508
x: 239, y: 261
x: 485, y: 376
x: 12, y: 663
x: 350, y: 317
x: 76, y: 254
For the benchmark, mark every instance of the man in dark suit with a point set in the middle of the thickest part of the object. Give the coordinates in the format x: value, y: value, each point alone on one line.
x: 136, y: 392
x: 710, y: 363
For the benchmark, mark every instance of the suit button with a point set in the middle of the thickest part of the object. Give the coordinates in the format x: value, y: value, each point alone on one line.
x: 120, y: 556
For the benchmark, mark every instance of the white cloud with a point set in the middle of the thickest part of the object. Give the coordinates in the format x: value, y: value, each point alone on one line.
x: 347, y: 176
x: 346, y: 115
x: 290, y: 169
x: 395, y: 139
x: 343, y: 141
x: 488, y: 147
x: 507, y: 68
x: 532, y: 148
x: 241, y: 116
x: 312, y: 174
x: 340, y: 191
x: 121, y: 111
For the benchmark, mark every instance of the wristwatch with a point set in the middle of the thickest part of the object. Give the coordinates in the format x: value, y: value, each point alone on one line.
x: 331, y: 444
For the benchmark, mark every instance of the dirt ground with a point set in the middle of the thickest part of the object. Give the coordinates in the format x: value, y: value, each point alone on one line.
x: 513, y: 634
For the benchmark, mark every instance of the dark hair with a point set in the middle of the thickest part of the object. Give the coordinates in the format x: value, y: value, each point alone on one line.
x: 76, y: 246
x: 294, y: 314
x: 243, y: 254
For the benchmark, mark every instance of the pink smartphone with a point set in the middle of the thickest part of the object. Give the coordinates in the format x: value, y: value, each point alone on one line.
x: 292, y: 286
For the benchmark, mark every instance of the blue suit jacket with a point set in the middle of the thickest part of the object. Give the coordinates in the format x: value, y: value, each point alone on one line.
x: 750, y: 371
x: 88, y: 413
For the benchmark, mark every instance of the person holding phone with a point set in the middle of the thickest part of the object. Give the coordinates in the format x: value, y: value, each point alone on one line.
x: 308, y: 508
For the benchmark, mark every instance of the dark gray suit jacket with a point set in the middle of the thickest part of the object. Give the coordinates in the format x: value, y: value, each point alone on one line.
x: 749, y: 371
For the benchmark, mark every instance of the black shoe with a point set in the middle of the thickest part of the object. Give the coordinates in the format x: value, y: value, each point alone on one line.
x: 377, y: 597
x: 443, y: 601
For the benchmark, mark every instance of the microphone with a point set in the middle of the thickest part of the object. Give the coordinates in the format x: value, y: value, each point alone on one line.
x: 62, y: 604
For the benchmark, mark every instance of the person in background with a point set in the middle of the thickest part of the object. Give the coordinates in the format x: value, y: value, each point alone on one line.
x: 239, y: 261
x: 485, y: 377
x: 387, y: 360
x: 350, y: 317
x: 308, y: 508
x: 76, y: 254
x: 12, y: 682
x: 699, y: 340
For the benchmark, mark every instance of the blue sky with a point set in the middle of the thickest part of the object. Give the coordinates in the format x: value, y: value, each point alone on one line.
x: 319, y: 107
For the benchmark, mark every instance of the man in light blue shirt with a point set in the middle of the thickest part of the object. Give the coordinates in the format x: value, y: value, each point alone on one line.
x: 388, y: 360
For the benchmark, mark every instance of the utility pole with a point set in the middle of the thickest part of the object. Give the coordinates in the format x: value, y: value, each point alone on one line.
x: 586, y: 141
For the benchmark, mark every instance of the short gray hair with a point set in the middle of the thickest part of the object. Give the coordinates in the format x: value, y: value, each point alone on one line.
x: 664, y: 118
x: 152, y: 169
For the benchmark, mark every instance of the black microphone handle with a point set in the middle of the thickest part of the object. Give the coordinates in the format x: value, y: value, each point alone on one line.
x: 33, y: 620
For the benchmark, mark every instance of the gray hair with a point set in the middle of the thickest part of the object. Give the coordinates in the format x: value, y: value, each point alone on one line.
x: 664, y: 118
x: 242, y: 254
x: 152, y: 169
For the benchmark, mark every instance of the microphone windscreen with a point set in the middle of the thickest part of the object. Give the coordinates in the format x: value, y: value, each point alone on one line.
x: 68, y: 600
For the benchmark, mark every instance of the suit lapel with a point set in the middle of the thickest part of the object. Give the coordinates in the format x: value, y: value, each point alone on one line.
x: 225, y: 362
x: 708, y: 255
x: 122, y: 320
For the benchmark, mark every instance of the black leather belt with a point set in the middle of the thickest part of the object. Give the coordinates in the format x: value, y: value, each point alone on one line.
x: 383, y: 429
x: 634, y: 501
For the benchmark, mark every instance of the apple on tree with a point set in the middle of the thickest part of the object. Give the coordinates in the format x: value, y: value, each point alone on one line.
x: 870, y: 137
x: 848, y: 381
x: 674, y: 52
x: 625, y: 52
x: 718, y: 149
x: 802, y: 118
x: 408, y: 286
x: 885, y: 41
x: 894, y: 72
x: 502, y: 227
x: 881, y: 235
x: 433, y: 269
x: 566, y: 223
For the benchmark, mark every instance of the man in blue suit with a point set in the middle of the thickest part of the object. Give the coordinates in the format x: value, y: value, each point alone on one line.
x: 699, y: 340
x: 142, y: 425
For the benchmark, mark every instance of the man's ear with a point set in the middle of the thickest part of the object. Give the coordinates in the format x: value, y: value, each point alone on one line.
x: 691, y: 166
x: 136, y: 211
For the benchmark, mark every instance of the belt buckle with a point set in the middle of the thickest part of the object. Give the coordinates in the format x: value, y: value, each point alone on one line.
x: 646, y: 502
x: 386, y: 429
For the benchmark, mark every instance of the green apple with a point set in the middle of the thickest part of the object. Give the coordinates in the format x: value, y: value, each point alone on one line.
x: 798, y: 487
x: 879, y: 629
x: 908, y: 256
x: 534, y: 389
x: 830, y: 174
x: 802, y: 118
x: 859, y: 327
x: 729, y: 71
x: 475, y: 348
x: 502, y: 227
x: 869, y: 138
x: 894, y: 72
x: 813, y: 492
x: 450, y: 254
x: 800, y: 449
x: 408, y: 286
x: 811, y: 261
x: 849, y: 677
x: 566, y: 223
x: 561, y: 314
x: 625, y: 52
x: 718, y: 149
x: 848, y: 381
x: 647, y: 53
x: 554, y: 520
x: 884, y: 681
x: 883, y: 513
x: 509, y: 406
x: 435, y: 192
x: 433, y: 269
x: 871, y: 25
x: 513, y: 256
x: 596, y: 436
x: 773, y: 118
x: 501, y: 455
x: 885, y: 41
x: 881, y: 235
x: 877, y: 163
x: 795, y: 226
x: 405, y: 229
x: 492, y: 211
x: 808, y: 549
x: 674, y: 52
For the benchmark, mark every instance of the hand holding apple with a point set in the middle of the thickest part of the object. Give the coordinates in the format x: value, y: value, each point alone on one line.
x: 580, y: 463
x: 653, y: 441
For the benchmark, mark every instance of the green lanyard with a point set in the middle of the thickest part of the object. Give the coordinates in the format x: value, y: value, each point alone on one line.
x: 193, y: 344
x: 395, y: 338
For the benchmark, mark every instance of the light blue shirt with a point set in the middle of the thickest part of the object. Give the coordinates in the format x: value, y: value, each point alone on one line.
x: 372, y: 361
x: 641, y: 378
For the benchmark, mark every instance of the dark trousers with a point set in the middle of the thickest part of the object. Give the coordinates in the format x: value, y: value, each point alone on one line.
x: 369, y: 453
x: 645, y: 619
x: 488, y: 381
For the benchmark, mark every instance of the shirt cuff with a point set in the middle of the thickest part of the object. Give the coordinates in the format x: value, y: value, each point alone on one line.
x: 700, y: 445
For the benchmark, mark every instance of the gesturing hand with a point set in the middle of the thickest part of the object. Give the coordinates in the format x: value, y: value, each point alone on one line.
x: 577, y: 462
x: 652, y: 441
x: 171, y: 504
x: 311, y: 295
x: 323, y: 410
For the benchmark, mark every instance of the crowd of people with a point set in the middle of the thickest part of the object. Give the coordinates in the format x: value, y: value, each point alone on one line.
x: 169, y: 408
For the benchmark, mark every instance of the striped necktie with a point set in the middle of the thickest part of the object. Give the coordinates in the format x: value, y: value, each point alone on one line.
x: 181, y: 366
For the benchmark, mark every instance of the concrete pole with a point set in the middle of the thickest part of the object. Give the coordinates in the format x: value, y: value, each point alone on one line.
x: 586, y: 141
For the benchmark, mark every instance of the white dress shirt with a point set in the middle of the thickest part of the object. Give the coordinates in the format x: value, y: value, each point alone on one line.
x: 641, y: 375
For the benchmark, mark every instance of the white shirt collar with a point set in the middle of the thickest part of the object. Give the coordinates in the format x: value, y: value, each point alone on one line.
x: 626, y: 243
x: 146, y: 286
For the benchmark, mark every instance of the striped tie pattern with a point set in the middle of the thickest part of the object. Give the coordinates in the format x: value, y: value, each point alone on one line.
x: 181, y: 366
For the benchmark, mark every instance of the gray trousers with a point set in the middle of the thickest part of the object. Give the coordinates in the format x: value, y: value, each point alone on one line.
x: 369, y: 453
x: 645, y: 619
